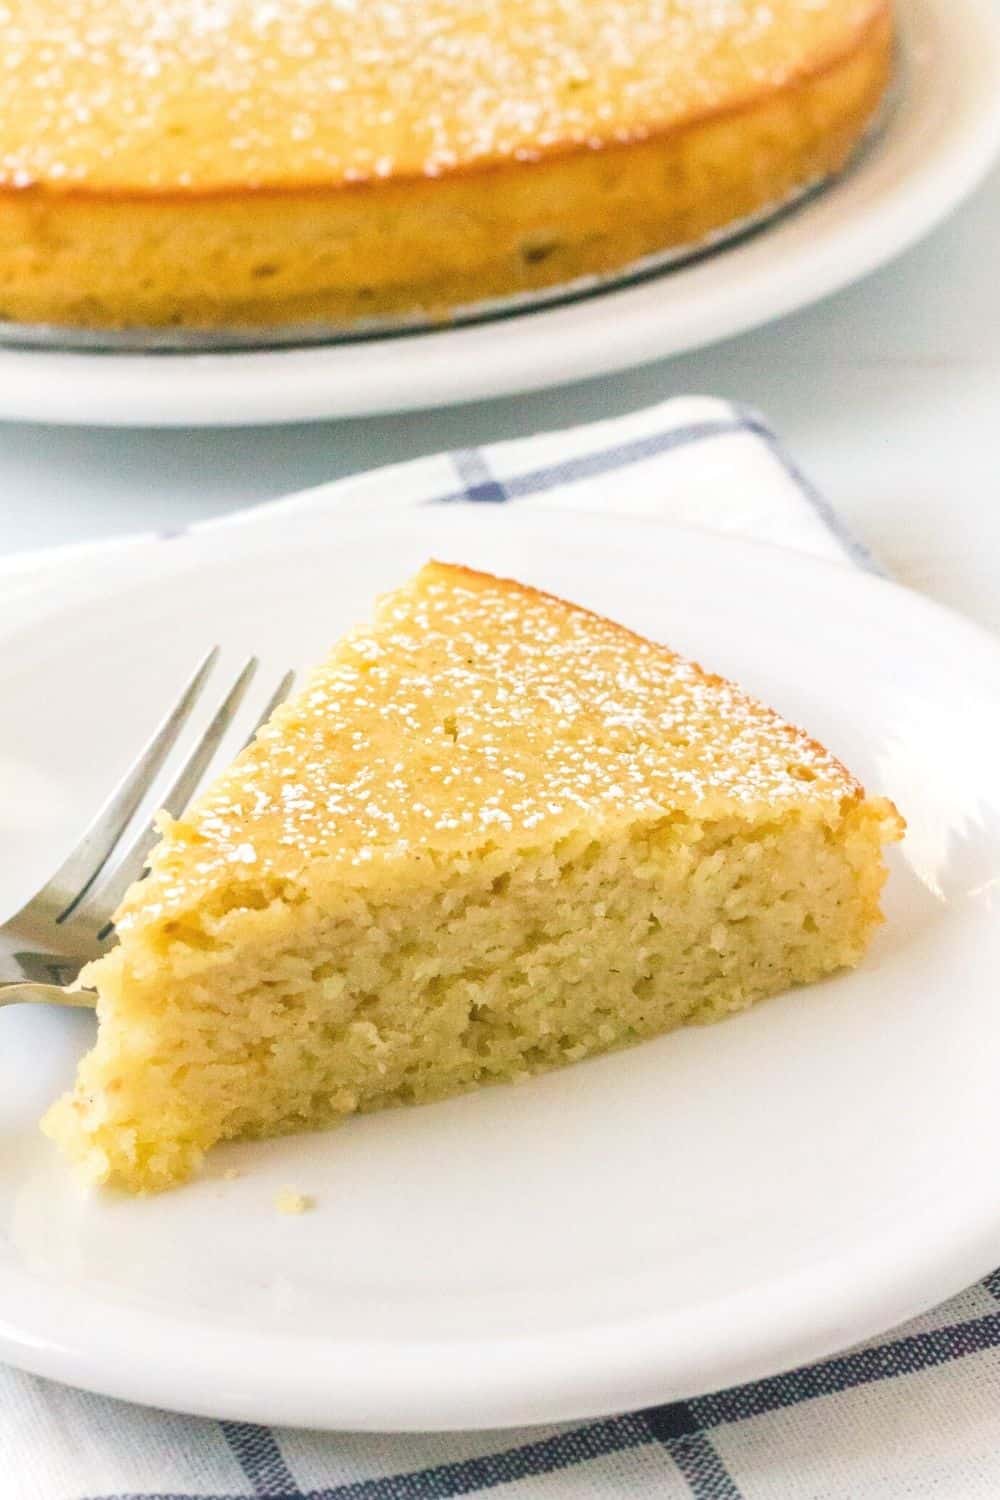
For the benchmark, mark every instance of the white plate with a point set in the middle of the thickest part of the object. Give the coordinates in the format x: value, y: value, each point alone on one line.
x: 939, y: 141
x: 703, y: 1209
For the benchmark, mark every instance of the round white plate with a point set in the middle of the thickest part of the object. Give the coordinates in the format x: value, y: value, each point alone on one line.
x: 710, y: 1207
x: 940, y: 139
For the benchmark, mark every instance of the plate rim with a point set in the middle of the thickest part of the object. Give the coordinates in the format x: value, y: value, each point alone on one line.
x: 614, y: 1367
x: 668, y: 315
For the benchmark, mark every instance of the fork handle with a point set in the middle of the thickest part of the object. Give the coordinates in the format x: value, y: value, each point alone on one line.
x: 46, y: 994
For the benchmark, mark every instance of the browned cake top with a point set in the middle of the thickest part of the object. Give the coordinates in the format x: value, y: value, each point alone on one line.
x: 141, y: 95
x: 476, y: 711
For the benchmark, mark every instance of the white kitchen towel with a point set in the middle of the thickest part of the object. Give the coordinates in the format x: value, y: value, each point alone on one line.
x: 911, y: 1415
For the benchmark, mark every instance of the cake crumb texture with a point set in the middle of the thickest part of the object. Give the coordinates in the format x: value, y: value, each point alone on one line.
x: 290, y: 1201
x: 492, y: 834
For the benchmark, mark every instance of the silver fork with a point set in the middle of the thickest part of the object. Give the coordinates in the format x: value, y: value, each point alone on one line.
x: 44, y: 946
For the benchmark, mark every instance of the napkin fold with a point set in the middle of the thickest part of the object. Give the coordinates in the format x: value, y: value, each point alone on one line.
x: 912, y: 1414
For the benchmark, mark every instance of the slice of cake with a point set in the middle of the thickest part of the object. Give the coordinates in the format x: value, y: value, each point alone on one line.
x: 494, y: 833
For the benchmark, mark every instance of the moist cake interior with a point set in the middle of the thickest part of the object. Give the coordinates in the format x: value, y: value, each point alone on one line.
x: 493, y: 834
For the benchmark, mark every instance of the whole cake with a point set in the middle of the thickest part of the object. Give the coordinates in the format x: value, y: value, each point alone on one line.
x: 493, y: 834
x: 277, y: 163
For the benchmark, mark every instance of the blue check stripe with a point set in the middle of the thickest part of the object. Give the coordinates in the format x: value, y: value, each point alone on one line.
x: 703, y: 1469
x: 478, y: 483
x: 885, y: 1361
x: 814, y: 498
x: 681, y: 1428
x: 260, y: 1458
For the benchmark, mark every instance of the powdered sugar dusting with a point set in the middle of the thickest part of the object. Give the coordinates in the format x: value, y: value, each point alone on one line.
x: 479, y: 713
x: 154, y: 94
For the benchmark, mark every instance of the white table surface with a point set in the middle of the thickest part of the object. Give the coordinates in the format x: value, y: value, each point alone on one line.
x: 888, y: 394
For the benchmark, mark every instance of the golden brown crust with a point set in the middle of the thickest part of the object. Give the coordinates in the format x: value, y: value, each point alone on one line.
x: 854, y: 791
x: 871, y: 31
x: 267, y: 256
x: 392, y: 748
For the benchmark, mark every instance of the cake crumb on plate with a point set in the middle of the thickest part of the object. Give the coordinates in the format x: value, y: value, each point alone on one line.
x: 290, y: 1201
